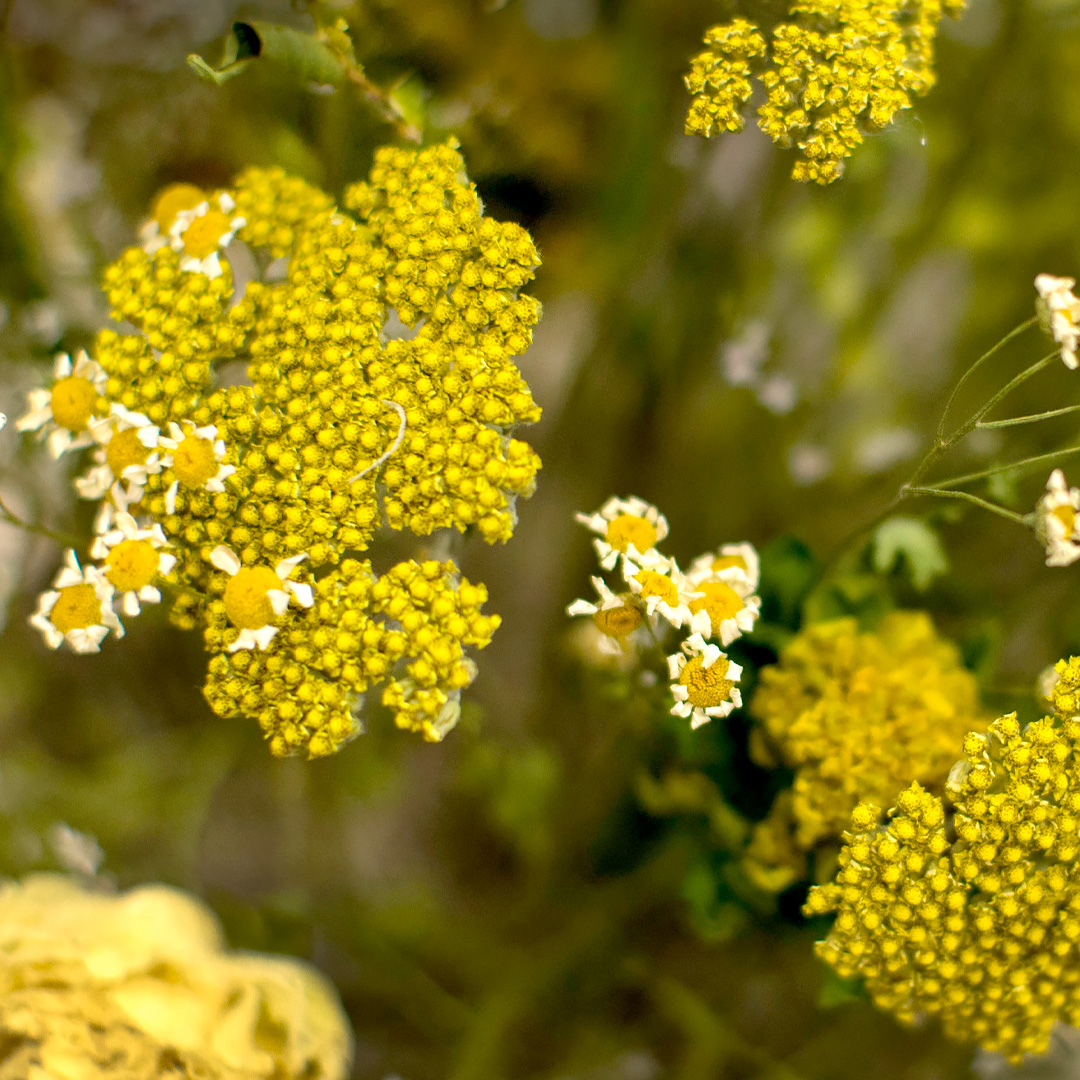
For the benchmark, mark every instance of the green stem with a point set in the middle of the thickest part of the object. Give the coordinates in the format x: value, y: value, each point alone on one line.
x: 1032, y: 418
x: 1007, y: 389
x: 974, y: 367
x: 12, y: 518
x: 1010, y: 515
x: 982, y: 474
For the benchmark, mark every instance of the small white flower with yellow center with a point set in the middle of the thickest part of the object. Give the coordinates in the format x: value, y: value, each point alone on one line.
x: 256, y: 595
x: 171, y: 201
x: 630, y: 527
x: 615, y: 616
x: 123, y: 454
x: 703, y: 681
x: 1062, y: 310
x: 1056, y: 522
x: 738, y: 562
x: 195, y: 455
x: 662, y: 588
x: 133, y: 559
x: 722, y: 609
x: 77, y: 608
x: 65, y: 411
x: 202, y: 233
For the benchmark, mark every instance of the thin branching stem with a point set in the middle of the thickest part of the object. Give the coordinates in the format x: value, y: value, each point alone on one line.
x: 1013, y: 466
x: 966, y: 496
x: 1016, y: 332
x: 12, y: 518
x: 1031, y: 418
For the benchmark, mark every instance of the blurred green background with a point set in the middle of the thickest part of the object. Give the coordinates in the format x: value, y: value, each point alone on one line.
x: 759, y: 358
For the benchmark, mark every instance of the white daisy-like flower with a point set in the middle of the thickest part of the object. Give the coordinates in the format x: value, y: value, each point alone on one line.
x: 615, y: 616
x: 123, y: 456
x: 1056, y: 522
x: 662, y: 588
x: 703, y: 681
x: 630, y: 527
x: 64, y: 412
x: 170, y: 201
x: 203, y: 232
x: 1063, y: 311
x: 723, y: 609
x: 133, y: 559
x: 733, y: 562
x: 256, y: 595
x: 196, y: 456
x: 78, y: 608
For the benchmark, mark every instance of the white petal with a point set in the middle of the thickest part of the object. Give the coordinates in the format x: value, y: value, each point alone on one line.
x: 279, y: 600
x: 130, y: 604
x: 225, y: 559
x: 305, y: 595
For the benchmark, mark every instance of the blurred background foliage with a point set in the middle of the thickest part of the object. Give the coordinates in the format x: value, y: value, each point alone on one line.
x: 542, y: 896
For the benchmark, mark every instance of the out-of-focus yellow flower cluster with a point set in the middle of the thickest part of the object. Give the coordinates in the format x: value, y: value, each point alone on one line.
x: 969, y: 907
x: 837, y: 69
x: 98, y: 986
x: 857, y: 716
x: 380, y: 391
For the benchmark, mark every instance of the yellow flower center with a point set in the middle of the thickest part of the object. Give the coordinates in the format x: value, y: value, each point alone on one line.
x: 73, y: 402
x: 627, y: 529
x: 720, y: 601
x: 706, y: 686
x: 202, y: 236
x: 124, y: 449
x: 172, y: 200
x: 1067, y: 516
x: 725, y: 562
x: 246, y: 603
x: 77, y: 608
x: 194, y: 461
x: 617, y: 622
x: 654, y: 583
x: 131, y: 565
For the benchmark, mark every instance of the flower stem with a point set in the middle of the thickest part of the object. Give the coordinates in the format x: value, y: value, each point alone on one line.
x: 1023, y: 463
x: 966, y: 496
x: 1016, y: 332
x: 1032, y: 418
x: 12, y: 518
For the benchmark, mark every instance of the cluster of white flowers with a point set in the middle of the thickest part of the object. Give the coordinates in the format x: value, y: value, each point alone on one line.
x: 84, y: 603
x: 1061, y: 310
x: 714, y: 601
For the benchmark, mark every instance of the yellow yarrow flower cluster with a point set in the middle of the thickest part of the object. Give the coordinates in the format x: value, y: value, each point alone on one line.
x: 269, y: 490
x: 857, y: 716
x: 968, y: 908
x: 115, y: 986
x: 838, y: 69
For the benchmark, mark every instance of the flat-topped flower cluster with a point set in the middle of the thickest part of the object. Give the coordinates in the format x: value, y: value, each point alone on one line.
x: 968, y: 907
x: 251, y: 500
x: 857, y: 716
x: 834, y: 71
x: 714, y: 601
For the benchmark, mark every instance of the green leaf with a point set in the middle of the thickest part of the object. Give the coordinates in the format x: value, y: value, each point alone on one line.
x: 302, y: 55
x: 788, y: 570
x: 912, y: 542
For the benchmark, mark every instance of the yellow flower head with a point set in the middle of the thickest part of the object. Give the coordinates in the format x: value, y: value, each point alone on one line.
x: 382, y: 394
x: 969, y: 908
x: 139, y: 985
x: 836, y: 70
x: 858, y: 715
